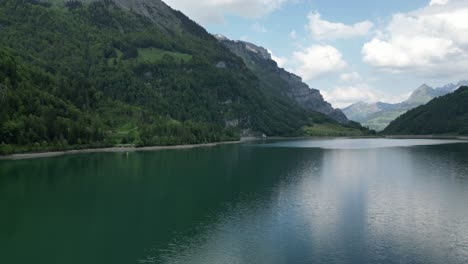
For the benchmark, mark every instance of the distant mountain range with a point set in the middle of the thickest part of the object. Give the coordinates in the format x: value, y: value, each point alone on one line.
x: 378, y: 115
x: 445, y: 115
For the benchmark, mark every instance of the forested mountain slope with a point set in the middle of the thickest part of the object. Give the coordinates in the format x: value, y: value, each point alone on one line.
x: 95, y: 73
x: 443, y: 115
x: 278, y: 81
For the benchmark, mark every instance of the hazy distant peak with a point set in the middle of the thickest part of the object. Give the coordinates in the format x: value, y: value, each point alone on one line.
x: 423, y: 87
x: 378, y: 115
x: 362, y: 103
x: 462, y: 83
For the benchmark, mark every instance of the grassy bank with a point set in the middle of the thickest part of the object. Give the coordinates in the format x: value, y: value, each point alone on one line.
x: 333, y: 130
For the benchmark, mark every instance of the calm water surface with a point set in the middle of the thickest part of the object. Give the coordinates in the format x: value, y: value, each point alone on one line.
x: 309, y: 201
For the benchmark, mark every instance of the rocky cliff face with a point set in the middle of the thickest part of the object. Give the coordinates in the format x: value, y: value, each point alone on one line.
x: 310, y: 99
x: 259, y: 60
x: 245, y: 49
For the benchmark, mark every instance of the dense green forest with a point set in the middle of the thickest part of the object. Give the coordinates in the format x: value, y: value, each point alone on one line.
x: 443, y: 115
x: 80, y: 75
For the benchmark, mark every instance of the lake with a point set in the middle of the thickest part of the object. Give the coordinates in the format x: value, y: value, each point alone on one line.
x: 299, y: 201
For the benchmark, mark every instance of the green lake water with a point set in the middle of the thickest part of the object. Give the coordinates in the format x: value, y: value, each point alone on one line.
x: 303, y: 201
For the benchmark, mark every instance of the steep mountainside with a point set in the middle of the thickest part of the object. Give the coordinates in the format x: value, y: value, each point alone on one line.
x: 378, y: 115
x: 279, y: 82
x: 443, y: 115
x: 98, y: 73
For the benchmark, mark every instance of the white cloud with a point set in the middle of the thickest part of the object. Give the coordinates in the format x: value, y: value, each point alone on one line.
x: 431, y: 42
x: 438, y: 2
x: 317, y: 60
x: 323, y: 29
x: 350, y: 77
x: 281, y: 61
x: 343, y: 96
x: 259, y: 28
x: 213, y: 11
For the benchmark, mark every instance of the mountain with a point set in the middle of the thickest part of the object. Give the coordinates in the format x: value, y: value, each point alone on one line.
x: 422, y: 95
x: 449, y: 88
x: 378, y: 115
x: 99, y: 73
x: 443, y: 115
x: 279, y: 82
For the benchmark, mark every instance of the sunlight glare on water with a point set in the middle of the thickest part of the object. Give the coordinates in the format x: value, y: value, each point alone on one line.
x: 302, y: 201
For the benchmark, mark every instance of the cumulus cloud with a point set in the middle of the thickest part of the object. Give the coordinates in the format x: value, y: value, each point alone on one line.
x: 213, y: 11
x: 350, y: 77
x: 344, y: 96
x: 317, y: 60
x: 438, y: 2
x: 431, y: 42
x: 322, y: 29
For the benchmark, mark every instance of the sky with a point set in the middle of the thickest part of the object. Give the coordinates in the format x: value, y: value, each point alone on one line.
x: 361, y: 50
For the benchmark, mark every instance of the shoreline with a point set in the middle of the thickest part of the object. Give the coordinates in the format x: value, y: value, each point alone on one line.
x: 122, y: 149
x: 426, y: 137
x: 23, y: 156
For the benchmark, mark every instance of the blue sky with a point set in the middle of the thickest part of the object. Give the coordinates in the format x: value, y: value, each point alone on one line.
x: 350, y: 50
